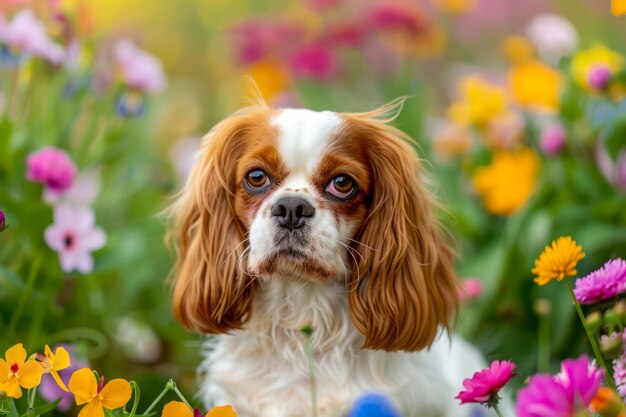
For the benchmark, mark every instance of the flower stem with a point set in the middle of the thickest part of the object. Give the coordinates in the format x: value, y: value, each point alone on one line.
x: 543, y: 354
x: 26, y: 293
x: 135, y: 388
x: 309, y: 357
x: 174, y: 388
x: 591, y: 337
x: 157, y: 399
x: 497, y: 410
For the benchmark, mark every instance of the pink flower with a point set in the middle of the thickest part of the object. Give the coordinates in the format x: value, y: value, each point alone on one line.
x: 472, y: 289
x: 26, y: 33
x: 614, y: 172
x: 619, y: 374
x: 257, y: 39
x: 562, y: 395
x: 346, y: 34
x: 398, y: 17
x: 314, y: 61
x: 74, y: 236
x: 3, y: 224
x: 140, y: 70
x: 602, y: 284
x: 484, y: 386
x: 52, y: 167
x: 82, y: 192
x: 599, y: 77
x: 553, y: 35
x: 552, y: 139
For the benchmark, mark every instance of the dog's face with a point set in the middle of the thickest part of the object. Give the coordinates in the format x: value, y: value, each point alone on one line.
x: 320, y: 196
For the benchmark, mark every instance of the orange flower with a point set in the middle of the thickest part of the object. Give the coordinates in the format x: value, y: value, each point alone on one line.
x: 607, y: 403
x: 54, y: 362
x: 618, y: 7
x: 97, y: 396
x: 558, y: 260
x: 535, y: 86
x: 16, y: 372
x: 180, y: 409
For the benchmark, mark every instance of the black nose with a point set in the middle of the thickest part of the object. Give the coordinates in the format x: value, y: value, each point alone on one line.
x: 292, y: 212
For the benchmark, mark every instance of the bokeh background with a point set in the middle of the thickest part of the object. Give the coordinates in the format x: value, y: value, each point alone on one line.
x: 523, y: 144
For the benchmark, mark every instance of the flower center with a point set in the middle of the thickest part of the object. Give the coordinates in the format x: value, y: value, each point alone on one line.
x: 14, y: 368
x: 69, y: 240
x: 196, y: 412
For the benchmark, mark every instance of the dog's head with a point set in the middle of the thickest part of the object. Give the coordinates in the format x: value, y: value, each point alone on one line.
x: 320, y: 196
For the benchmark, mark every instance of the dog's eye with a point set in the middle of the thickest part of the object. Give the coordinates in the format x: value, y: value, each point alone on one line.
x: 257, y: 180
x: 342, y: 186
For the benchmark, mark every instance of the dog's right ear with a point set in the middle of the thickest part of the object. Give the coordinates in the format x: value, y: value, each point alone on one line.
x: 212, y: 291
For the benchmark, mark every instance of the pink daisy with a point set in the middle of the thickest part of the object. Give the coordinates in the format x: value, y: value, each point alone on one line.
x: 602, y: 284
x: 484, y: 386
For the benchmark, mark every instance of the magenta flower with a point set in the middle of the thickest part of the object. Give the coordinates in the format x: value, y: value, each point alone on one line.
x: 484, y: 386
x: 602, y: 284
x: 552, y: 139
x: 599, y: 77
x: 314, y: 61
x: 258, y: 39
x: 27, y: 34
x: 3, y: 224
x: 561, y: 395
x: 52, y: 167
x: 140, y: 70
x: 471, y: 289
x: 398, y: 17
x: 74, y: 236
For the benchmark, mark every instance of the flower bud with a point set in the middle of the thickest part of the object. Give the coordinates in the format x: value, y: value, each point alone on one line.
x: 620, y: 311
x: 552, y: 139
x: 607, y: 403
x: 594, y: 321
x: 543, y: 307
x: 599, y: 77
x: 3, y: 224
x: 611, y: 345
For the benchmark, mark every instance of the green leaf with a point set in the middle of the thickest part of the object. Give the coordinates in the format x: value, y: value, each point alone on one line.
x: 597, y: 236
x: 7, y: 406
x: 44, y: 408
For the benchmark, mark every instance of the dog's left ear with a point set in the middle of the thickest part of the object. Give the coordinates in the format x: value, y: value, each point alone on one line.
x: 403, y: 286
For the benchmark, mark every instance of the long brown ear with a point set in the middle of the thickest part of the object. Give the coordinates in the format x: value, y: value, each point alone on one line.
x: 212, y: 292
x: 403, y: 286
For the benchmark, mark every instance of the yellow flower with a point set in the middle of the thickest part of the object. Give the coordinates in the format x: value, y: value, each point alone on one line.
x: 518, y: 49
x: 455, y: 6
x: 558, y: 260
x: 508, y: 182
x: 618, y: 7
x: 535, y: 86
x: 87, y: 390
x: 54, y: 362
x: 179, y: 409
x: 586, y: 60
x: 271, y: 77
x: 480, y: 102
x: 16, y: 372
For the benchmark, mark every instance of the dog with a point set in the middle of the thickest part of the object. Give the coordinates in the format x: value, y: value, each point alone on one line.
x: 294, y: 219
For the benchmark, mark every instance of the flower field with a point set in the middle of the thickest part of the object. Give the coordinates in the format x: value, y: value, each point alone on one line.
x: 518, y: 107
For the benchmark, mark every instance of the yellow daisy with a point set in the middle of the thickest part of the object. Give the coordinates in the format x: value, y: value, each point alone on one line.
x: 558, y: 260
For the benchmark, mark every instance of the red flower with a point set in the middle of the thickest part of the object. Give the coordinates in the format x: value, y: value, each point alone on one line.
x: 484, y: 386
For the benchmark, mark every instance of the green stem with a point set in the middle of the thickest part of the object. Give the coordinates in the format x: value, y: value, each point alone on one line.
x: 592, y: 339
x: 157, y: 399
x: 30, y: 283
x: 497, y: 410
x: 135, y: 388
x: 174, y: 388
x: 543, y: 355
x: 309, y: 357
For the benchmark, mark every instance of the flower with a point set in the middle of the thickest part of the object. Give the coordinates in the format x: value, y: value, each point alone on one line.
x: 618, y: 7
x: 52, y: 167
x: 88, y: 390
x: 260, y: 39
x: 535, y: 86
x: 180, y: 409
x: 607, y: 403
x: 484, y: 386
x: 74, y: 236
x: 619, y: 375
x: 471, y: 289
x: 518, y: 50
x: 587, y: 60
x: 494, y: 181
x: 314, y: 61
x: 558, y: 260
x: 562, y: 395
x: 455, y: 6
x: 553, y: 35
x: 614, y: 172
x: 373, y: 405
x: 552, y: 139
x: 16, y: 372
x: 26, y: 33
x: 3, y: 223
x: 452, y: 140
x: 51, y: 391
x: 602, y: 284
x: 140, y: 70
x: 480, y: 102
x: 131, y: 103
x: 505, y: 131
x: 82, y: 192
x: 54, y: 362
x: 599, y: 77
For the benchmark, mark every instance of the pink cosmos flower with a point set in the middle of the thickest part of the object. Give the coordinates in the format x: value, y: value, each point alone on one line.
x: 602, y: 284
x: 26, y: 33
x: 561, y: 395
x: 74, y: 236
x: 599, y: 77
x: 52, y: 167
x: 484, y: 386
x: 552, y: 139
x: 472, y: 289
x: 314, y: 61
x: 140, y: 70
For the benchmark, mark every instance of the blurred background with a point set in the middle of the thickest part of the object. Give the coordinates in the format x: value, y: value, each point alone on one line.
x: 518, y: 108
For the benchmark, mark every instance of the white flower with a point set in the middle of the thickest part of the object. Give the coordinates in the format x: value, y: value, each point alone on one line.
x: 553, y: 35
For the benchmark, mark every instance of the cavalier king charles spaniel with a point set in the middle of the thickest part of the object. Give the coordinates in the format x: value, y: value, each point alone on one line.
x: 294, y: 218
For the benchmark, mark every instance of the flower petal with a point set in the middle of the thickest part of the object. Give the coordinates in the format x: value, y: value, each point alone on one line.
x: 58, y: 380
x: 54, y: 237
x: 12, y: 388
x: 222, y: 411
x: 93, y: 409
x: 30, y: 374
x: 16, y: 354
x: 84, y: 262
x: 116, y: 393
x: 61, y: 359
x: 83, y: 385
x: 176, y: 409
x: 93, y: 239
x: 4, y: 372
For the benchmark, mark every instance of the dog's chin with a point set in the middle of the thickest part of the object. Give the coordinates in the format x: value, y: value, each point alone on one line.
x: 293, y: 264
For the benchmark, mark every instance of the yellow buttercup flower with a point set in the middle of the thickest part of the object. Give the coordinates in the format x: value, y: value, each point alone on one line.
x: 508, y: 182
x: 618, y: 7
x: 480, y: 102
x: 535, y: 86
x: 558, y: 260
x: 54, y: 362
x: 97, y: 396
x: 180, y: 409
x: 585, y: 61
x: 16, y: 372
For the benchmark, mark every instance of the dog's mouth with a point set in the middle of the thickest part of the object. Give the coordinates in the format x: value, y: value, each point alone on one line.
x: 292, y: 262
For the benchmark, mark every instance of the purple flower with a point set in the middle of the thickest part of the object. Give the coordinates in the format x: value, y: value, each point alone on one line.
x: 484, y: 386
x: 26, y: 33
x: 50, y: 390
x: 373, y: 405
x: 314, y: 61
x: 52, y: 167
x: 552, y: 139
x: 619, y: 374
x: 140, y: 70
x: 599, y: 77
x: 3, y: 224
x: 561, y: 395
x: 602, y: 284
